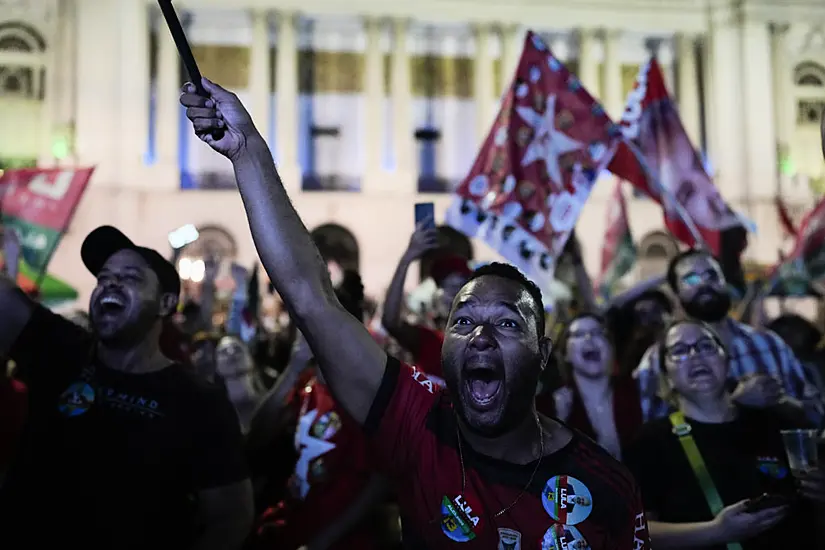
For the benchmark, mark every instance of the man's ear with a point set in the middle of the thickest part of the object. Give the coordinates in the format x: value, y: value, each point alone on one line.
x: 168, y: 304
x: 545, y: 349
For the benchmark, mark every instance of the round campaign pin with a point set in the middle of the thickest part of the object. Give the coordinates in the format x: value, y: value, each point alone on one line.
x: 77, y: 399
x: 563, y: 537
x: 567, y: 500
x: 458, y: 519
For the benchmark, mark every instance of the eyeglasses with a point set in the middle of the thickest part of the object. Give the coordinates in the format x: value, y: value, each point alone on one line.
x: 679, y: 353
x: 588, y: 334
x: 695, y: 279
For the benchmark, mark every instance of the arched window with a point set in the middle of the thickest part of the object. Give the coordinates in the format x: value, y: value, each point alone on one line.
x: 337, y: 243
x: 809, y: 73
x: 21, y: 81
x: 655, y: 251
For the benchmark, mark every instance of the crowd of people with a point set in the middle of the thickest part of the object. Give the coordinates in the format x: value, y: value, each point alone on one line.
x: 653, y: 421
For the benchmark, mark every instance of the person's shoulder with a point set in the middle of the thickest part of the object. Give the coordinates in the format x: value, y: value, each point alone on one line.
x: 593, y: 458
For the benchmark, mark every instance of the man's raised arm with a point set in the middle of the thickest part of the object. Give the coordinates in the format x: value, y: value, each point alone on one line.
x: 352, y: 362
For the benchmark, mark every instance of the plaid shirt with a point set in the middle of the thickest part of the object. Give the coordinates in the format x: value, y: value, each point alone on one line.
x: 751, y: 351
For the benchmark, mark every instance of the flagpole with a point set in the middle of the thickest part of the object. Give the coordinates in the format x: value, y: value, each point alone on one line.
x: 667, y: 196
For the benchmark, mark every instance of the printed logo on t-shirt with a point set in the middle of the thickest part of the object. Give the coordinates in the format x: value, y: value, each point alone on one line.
x: 567, y: 500
x: 458, y: 520
x: 508, y: 539
x: 76, y: 400
x: 327, y: 425
x: 772, y: 466
x: 136, y: 404
x: 563, y: 537
x: 311, y: 448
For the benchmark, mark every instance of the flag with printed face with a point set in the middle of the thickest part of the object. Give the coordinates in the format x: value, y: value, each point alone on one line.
x: 651, y: 123
x: 40, y: 204
x: 806, y: 262
x: 618, y: 250
x: 537, y: 165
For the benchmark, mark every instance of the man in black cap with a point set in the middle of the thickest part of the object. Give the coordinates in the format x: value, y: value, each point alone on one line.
x: 124, y: 448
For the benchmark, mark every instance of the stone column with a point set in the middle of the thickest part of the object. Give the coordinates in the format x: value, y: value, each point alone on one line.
x: 374, y: 112
x: 510, y: 54
x: 483, y: 83
x: 727, y: 90
x: 688, y: 91
x: 286, y: 107
x: 134, y: 92
x: 612, y: 75
x: 167, y: 126
x: 588, y: 63
x: 759, y: 126
x: 260, y: 70
x: 400, y: 85
x: 782, y: 70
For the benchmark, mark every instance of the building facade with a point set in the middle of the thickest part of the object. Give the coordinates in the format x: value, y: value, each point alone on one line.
x: 370, y: 107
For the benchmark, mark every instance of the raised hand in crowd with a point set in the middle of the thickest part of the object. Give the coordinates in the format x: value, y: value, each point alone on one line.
x: 734, y: 523
x: 423, y: 240
x: 758, y: 390
x: 493, y: 355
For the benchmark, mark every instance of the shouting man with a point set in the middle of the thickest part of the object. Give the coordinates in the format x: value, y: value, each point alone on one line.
x: 124, y: 448
x: 475, y: 463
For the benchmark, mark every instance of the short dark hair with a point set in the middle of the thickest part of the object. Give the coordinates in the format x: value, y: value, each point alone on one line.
x: 791, y: 323
x: 510, y: 272
x: 350, y: 292
x: 679, y: 258
x: 653, y: 295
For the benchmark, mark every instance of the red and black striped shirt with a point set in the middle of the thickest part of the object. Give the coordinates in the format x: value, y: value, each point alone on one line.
x: 580, y: 497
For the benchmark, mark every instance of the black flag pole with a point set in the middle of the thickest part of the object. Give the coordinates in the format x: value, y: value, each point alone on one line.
x: 186, y: 56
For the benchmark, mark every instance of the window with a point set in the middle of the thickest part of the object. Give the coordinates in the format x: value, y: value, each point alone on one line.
x: 21, y: 81
x: 809, y: 111
x: 809, y: 74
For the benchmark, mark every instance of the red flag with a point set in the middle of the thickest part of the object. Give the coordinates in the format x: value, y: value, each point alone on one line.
x: 39, y: 204
x: 537, y: 166
x: 810, y: 242
x: 806, y: 262
x: 651, y: 123
x: 618, y: 251
x: 785, y: 217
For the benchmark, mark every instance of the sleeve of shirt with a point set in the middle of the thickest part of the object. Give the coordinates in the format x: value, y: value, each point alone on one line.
x: 639, y: 538
x: 801, y: 386
x: 217, y: 448
x: 396, y: 423
x: 45, y: 343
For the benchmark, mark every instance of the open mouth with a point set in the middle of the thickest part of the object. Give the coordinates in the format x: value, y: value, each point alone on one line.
x: 700, y: 371
x: 111, y: 304
x: 592, y: 355
x: 483, y: 385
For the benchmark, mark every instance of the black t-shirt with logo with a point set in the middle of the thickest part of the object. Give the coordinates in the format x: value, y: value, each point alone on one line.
x: 745, y: 458
x: 124, y: 472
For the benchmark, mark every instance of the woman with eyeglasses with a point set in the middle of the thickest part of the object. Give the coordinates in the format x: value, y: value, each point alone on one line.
x: 703, y: 470
x: 603, y: 407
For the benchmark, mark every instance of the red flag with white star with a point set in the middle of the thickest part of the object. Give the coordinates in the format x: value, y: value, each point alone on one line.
x: 537, y: 166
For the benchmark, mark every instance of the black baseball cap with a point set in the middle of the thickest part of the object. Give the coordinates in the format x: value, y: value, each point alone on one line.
x: 103, y: 242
